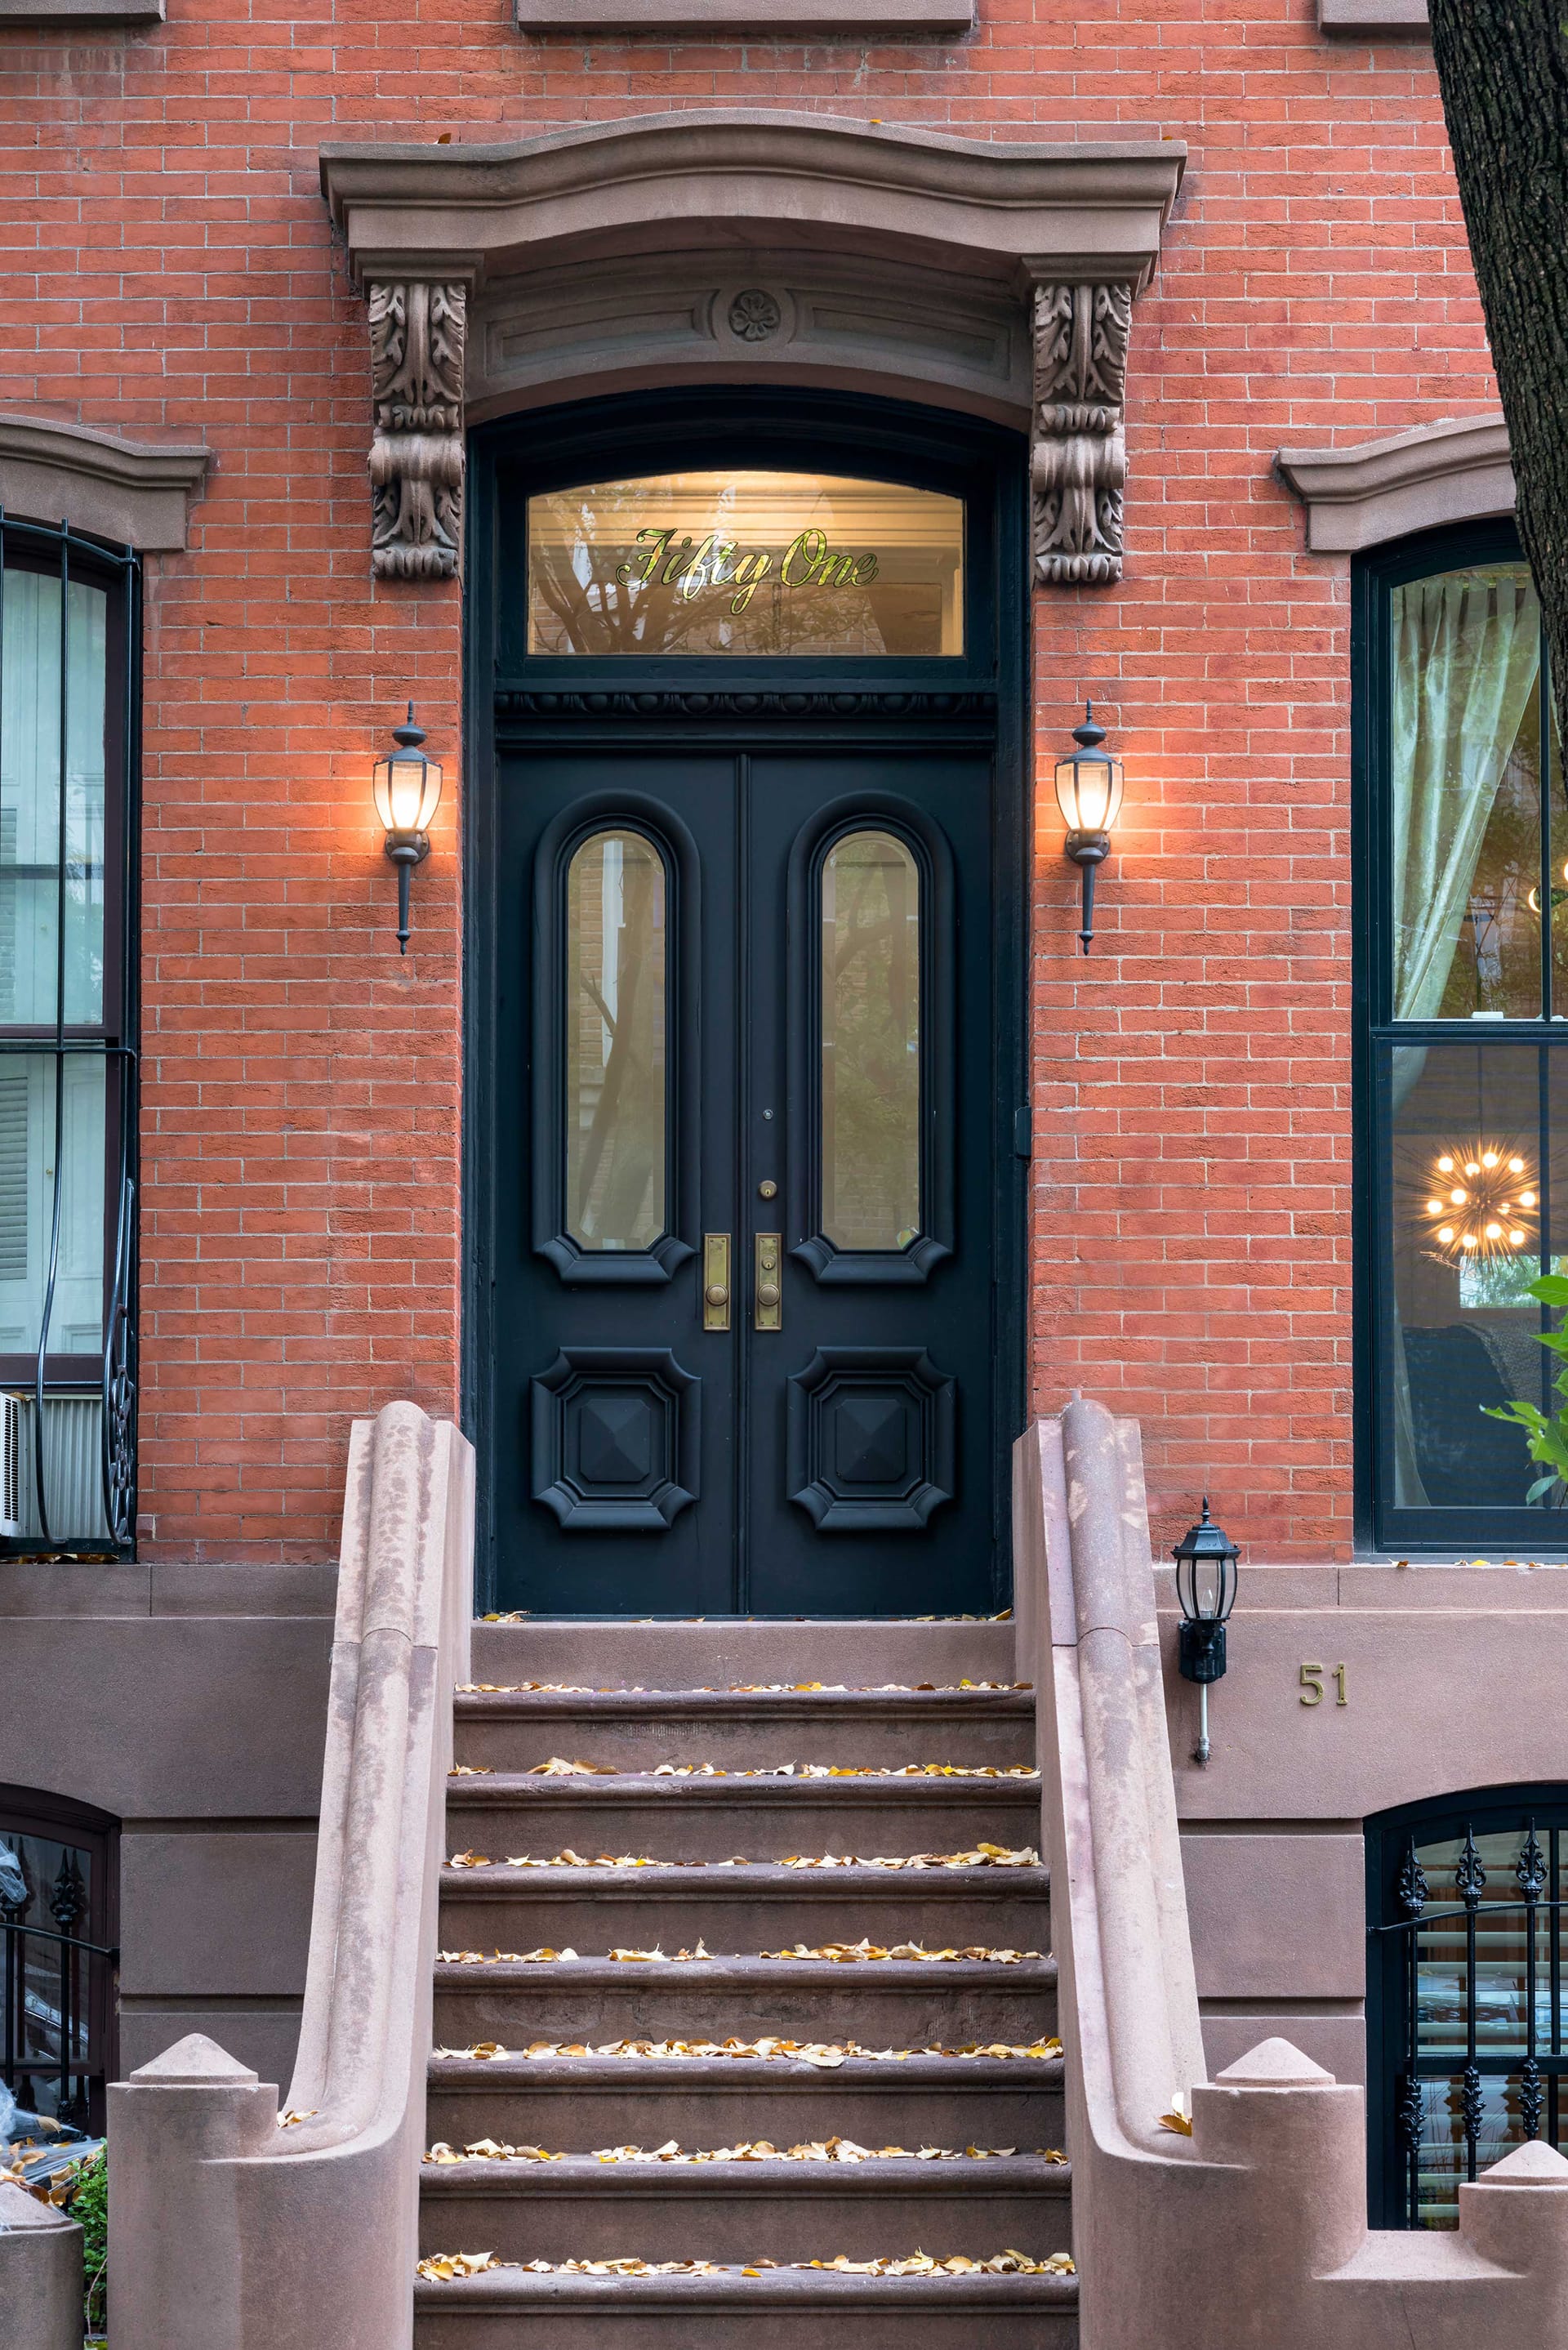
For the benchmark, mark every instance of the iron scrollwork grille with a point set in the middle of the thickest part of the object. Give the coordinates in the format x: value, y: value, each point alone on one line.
x: 1466, y: 2008
x: 70, y: 1068
x: 57, y: 1969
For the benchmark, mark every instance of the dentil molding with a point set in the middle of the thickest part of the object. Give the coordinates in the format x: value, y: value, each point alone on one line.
x: 512, y: 244
x: 1454, y: 471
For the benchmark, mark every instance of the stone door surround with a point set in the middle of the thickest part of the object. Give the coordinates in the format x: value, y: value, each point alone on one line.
x: 750, y: 246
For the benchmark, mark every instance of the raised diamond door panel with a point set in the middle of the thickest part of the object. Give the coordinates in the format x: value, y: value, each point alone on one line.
x: 615, y: 1439
x: 871, y: 1434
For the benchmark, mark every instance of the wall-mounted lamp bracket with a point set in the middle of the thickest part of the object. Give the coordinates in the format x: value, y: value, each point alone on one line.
x: 406, y: 787
x: 1088, y: 850
x: 1089, y: 794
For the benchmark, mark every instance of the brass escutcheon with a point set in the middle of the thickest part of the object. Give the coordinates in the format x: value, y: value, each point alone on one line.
x: 715, y: 1281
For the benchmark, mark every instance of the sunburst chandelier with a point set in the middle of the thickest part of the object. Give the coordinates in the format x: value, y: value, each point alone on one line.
x: 1481, y: 1202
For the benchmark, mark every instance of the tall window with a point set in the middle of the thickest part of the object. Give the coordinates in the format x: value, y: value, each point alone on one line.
x: 1464, y: 932
x: 67, y: 1096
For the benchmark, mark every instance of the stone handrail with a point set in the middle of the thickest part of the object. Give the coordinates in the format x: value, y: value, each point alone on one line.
x: 1251, y: 2233
x: 232, y: 2227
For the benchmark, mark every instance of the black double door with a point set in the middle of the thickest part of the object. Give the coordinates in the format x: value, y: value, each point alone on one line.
x: 753, y: 1181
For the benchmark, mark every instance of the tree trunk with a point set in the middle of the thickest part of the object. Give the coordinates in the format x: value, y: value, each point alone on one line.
x: 1503, y: 68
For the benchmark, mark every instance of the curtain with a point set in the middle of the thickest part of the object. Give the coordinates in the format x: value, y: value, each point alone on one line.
x: 1466, y: 649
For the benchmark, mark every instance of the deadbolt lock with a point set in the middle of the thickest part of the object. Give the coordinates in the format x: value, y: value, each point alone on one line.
x: 769, y: 1309
x: 715, y: 1281
x: 767, y: 1189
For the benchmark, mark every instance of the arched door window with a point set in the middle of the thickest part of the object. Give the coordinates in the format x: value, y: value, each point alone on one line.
x: 1466, y: 2045
x: 59, y: 1910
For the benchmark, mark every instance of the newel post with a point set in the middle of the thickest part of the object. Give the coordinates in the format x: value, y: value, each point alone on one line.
x: 175, y: 2253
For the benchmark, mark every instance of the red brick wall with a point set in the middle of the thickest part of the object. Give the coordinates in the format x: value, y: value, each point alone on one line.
x: 169, y: 270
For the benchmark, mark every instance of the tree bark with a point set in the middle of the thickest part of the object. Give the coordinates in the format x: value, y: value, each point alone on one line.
x: 1503, y: 68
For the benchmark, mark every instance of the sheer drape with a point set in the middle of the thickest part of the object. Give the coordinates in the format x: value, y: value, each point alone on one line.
x: 1466, y: 649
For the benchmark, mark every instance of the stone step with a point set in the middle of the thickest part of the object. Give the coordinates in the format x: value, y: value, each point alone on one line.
x: 886, y: 2003
x: 635, y: 1730
x: 580, y: 2103
x: 760, y: 1907
x: 724, y: 1818
x: 783, y: 2309
x: 578, y: 2208
x: 694, y: 1653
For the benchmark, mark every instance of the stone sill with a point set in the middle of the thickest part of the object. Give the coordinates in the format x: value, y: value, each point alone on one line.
x: 1372, y: 16
x: 845, y: 19
x: 64, y: 13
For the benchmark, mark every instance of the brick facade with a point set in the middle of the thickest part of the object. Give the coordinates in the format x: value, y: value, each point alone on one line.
x: 170, y: 271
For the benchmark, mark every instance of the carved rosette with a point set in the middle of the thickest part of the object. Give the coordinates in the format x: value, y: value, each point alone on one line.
x: 417, y: 334
x: 1078, y: 463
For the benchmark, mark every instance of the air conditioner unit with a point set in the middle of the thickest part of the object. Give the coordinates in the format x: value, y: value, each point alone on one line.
x: 10, y: 1465
x: 73, y: 1478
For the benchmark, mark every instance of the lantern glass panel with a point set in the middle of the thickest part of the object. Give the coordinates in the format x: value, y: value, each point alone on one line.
x: 1089, y: 792
x: 407, y: 793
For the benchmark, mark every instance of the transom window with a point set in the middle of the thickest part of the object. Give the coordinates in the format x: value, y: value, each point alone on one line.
x: 758, y: 563
x: 1466, y: 1078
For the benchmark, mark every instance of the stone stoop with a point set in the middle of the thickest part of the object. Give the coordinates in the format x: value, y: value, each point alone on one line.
x: 643, y: 1695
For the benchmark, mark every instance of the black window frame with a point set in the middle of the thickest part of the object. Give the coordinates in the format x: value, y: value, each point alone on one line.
x: 58, y: 551
x: 1380, y: 1524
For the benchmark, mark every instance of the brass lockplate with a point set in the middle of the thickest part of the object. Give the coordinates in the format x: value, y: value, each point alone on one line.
x: 715, y: 1281
x: 769, y: 1310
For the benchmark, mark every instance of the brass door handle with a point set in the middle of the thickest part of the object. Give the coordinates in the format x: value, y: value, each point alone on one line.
x: 715, y: 1281
x: 768, y: 1311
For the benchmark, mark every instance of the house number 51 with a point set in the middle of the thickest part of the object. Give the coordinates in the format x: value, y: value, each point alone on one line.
x: 1311, y: 1684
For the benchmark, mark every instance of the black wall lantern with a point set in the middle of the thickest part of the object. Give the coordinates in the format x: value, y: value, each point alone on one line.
x: 407, y: 786
x: 1206, y: 1588
x: 1089, y: 795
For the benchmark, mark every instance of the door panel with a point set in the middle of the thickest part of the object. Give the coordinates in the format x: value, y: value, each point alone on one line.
x: 752, y: 999
x: 617, y: 1041
x: 871, y: 1417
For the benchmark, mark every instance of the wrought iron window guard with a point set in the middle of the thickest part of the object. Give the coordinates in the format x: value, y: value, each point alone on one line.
x: 78, y: 2070
x: 1540, y: 2070
x: 117, y: 1366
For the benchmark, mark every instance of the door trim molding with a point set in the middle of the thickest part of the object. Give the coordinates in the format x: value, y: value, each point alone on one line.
x: 893, y: 440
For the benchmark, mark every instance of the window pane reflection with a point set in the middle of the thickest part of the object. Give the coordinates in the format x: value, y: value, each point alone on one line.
x: 615, y: 1056
x: 871, y: 1043
x: 759, y: 562
x: 1465, y: 765
x: 30, y: 799
x: 1467, y: 1241
x: 26, y: 1203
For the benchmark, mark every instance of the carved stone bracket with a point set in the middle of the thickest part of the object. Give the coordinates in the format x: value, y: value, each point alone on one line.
x: 1078, y: 460
x: 417, y: 335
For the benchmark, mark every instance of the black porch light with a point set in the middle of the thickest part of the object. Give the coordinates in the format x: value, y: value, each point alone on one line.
x: 1205, y: 1590
x: 407, y: 787
x: 1089, y: 795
